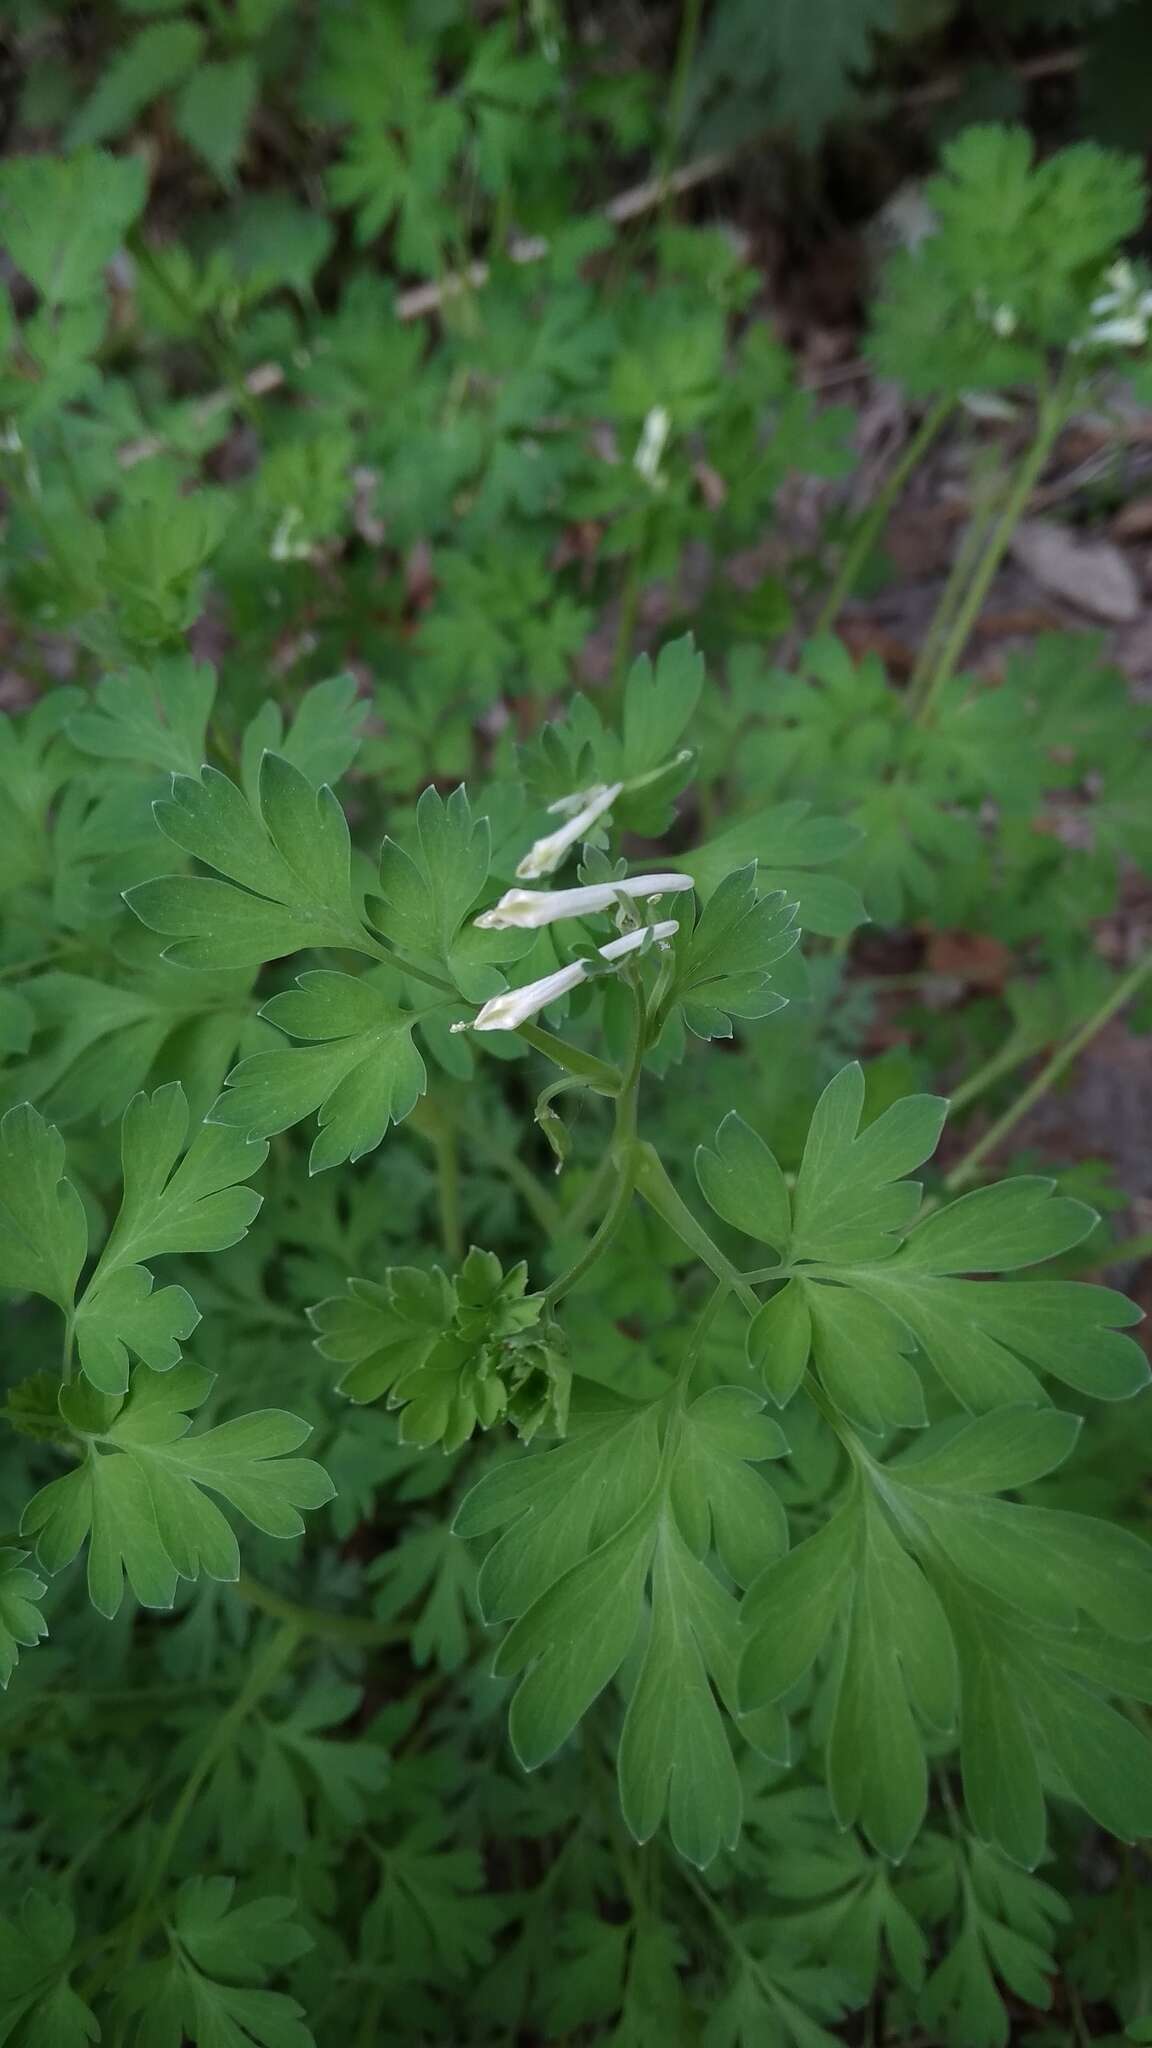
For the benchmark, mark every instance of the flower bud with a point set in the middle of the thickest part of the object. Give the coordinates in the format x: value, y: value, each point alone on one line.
x: 545, y: 856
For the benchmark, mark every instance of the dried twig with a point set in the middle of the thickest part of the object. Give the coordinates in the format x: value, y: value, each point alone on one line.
x: 1055, y: 64
x: 423, y: 299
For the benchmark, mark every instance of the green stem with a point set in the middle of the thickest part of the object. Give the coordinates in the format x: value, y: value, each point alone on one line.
x: 728, y: 1934
x: 590, y: 1198
x: 870, y: 527
x: 624, y: 1156
x: 389, y: 957
x: 628, y: 1100
x: 221, y: 353
x: 1052, y: 415
x: 604, y: 1233
x: 373, y: 2014
x: 1011, y: 1054
x: 964, y: 561
x: 574, y: 1060
x: 119, y: 1821
x: 1050, y: 1073
x: 541, y: 1206
x: 15, y: 967
x: 626, y: 628
x: 690, y: 15
x: 440, y: 1130
x: 30, y: 492
x: 352, y: 1629
x: 1083, y: 2037
x: 278, y: 1653
x: 1127, y: 1251
x: 695, y: 1344
x: 448, y: 1192
x: 653, y: 1183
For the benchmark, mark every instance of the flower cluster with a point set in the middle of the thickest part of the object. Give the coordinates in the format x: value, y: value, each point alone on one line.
x: 531, y: 909
x: 1122, y: 313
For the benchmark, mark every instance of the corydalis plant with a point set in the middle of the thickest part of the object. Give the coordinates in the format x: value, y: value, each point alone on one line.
x: 821, y: 1525
x: 648, y: 1554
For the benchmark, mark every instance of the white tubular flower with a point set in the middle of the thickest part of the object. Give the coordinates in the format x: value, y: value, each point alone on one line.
x: 1001, y: 319
x: 286, y: 544
x: 1126, y: 331
x: 1122, y: 279
x: 545, y: 856
x: 652, y: 443
x: 1121, y: 314
x: 629, y: 942
x: 516, y: 1005
x: 528, y: 909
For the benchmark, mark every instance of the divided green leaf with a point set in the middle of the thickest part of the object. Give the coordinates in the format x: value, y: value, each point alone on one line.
x: 864, y: 1285
x: 360, y: 1070
x: 210, y: 1987
x: 287, y: 864
x: 724, y: 960
x: 630, y: 1510
x: 947, y: 1608
x: 140, y: 1495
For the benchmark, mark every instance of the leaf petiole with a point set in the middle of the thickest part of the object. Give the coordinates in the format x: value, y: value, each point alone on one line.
x: 607, y: 1080
x: 653, y: 1183
x: 1050, y: 1072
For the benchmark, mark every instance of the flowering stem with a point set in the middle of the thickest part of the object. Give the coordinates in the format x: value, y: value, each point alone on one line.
x: 870, y: 527
x: 985, y: 496
x: 629, y: 607
x: 1012, y: 1054
x: 1053, y: 411
x: 624, y: 1155
x: 606, y: 1230
x: 1050, y: 1073
x: 687, y: 40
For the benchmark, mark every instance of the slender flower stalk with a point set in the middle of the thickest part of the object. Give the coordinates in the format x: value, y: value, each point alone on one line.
x: 508, y: 1011
x: 528, y: 909
x: 545, y: 856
